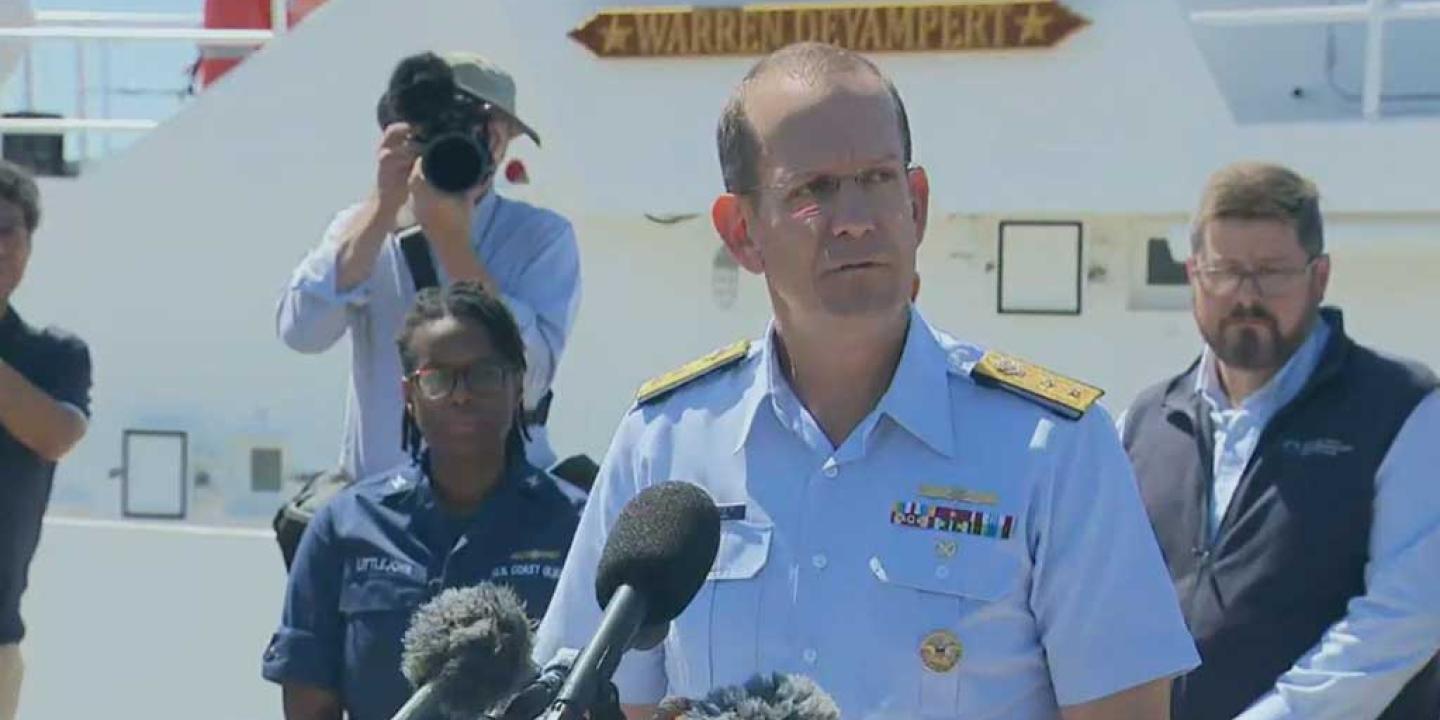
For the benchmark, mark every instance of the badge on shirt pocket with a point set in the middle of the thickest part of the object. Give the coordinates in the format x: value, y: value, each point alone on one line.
x: 950, y: 599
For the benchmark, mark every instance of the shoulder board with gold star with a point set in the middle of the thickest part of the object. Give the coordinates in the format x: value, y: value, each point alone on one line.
x: 1065, y: 396
x: 662, y: 384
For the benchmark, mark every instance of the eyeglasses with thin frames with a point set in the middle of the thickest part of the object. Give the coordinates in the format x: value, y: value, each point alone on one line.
x: 1268, y: 282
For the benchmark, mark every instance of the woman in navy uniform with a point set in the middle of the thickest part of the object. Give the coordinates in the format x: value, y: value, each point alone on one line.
x: 467, y: 509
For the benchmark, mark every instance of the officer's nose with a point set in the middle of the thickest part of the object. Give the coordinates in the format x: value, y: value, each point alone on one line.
x: 851, y: 214
x: 462, y: 394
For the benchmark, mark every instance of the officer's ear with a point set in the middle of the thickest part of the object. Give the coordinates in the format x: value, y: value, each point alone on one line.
x: 728, y: 215
x: 919, y: 182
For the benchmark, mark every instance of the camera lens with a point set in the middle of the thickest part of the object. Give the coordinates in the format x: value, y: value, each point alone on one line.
x: 454, y: 162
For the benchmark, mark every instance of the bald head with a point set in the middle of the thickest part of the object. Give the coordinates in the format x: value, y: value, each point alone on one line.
x: 793, y: 71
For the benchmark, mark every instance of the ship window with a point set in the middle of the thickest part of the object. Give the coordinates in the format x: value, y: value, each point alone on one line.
x: 1039, y: 268
x: 153, y: 468
x: 1160, y: 267
x: 265, y: 469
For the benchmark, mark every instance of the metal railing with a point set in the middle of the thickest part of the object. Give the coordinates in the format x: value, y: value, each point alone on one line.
x: 1374, y: 13
x: 103, y: 29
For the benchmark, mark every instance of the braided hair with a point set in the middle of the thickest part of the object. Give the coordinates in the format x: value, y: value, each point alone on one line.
x: 467, y: 302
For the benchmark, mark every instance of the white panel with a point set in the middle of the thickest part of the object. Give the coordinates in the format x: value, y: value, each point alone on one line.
x: 155, y: 474
x: 1039, y: 268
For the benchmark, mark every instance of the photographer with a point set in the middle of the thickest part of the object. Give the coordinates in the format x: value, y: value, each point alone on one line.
x: 447, y: 123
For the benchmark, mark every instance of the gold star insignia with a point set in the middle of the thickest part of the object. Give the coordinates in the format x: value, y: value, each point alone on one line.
x: 616, y: 35
x: 1034, y: 25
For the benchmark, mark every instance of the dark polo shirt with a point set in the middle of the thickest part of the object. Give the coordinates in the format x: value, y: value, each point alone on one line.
x: 59, y: 364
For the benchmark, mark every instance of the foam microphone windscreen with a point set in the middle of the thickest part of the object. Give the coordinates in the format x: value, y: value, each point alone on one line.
x: 773, y: 696
x: 472, y: 645
x: 663, y: 545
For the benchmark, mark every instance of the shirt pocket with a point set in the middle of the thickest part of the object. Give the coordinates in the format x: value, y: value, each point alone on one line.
x: 955, y: 620
x: 376, y: 613
x: 715, y: 641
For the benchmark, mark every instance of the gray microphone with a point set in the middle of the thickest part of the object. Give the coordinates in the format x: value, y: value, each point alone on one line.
x: 775, y: 696
x: 467, y: 652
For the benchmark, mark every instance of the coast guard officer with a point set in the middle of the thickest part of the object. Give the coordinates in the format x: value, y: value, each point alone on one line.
x: 470, y: 508
x: 927, y: 529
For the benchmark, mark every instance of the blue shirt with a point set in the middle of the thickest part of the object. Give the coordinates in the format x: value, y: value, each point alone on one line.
x: 531, y: 253
x: 1058, y: 597
x: 1388, y: 633
x: 1238, y: 429
x: 59, y: 365
x: 382, y: 548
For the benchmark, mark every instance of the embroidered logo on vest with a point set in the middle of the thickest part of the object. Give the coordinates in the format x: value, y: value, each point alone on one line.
x: 1327, y: 447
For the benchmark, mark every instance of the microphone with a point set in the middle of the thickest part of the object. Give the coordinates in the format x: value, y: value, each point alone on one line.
x: 656, y: 558
x: 532, y: 700
x: 774, y: 696
x: 467, y: 651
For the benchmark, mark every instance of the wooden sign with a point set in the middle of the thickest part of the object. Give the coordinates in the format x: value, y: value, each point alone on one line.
x: 893, y: 27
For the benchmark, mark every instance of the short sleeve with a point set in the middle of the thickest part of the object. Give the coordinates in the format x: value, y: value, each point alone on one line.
x: 574, y: 612
x: 307, y: 648
x: 71, y: 374
x: 1105, y: 607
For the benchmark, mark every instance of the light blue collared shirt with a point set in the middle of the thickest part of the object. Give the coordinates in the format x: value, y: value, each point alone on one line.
x: 829, y: 568
x: 1238, y: 429
x: 1388, y: 633
x: 531, y: 252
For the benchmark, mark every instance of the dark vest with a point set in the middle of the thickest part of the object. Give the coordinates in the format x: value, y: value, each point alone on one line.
x: 1291, y: 549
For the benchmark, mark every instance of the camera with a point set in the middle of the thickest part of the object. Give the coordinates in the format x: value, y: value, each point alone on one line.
x: 447, y: 123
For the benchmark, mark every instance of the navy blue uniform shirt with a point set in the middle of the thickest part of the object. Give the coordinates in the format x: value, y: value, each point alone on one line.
x: 385, y: 546
x: 58, y: 364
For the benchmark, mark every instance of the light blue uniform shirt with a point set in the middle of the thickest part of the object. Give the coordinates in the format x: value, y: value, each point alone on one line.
x: 1237, y: 429
x: 1064, y: 601
x: 532, y: 254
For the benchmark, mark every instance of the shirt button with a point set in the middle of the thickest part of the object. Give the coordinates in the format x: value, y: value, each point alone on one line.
x: 831, y: 470
x: 820, y: 561
x: 809, y: 655
x: 942, y: 572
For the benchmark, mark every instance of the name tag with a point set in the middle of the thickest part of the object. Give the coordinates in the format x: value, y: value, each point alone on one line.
x: 380, y: 565
x: 731, y: 512
x: 548, y: 571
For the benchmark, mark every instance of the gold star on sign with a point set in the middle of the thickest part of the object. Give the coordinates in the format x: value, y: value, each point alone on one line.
x: 1034, y: 25
x: 615, y: 34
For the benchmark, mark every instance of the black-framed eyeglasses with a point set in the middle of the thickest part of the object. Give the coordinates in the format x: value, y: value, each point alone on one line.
x: 481, y: 378
x: 1268, y: 282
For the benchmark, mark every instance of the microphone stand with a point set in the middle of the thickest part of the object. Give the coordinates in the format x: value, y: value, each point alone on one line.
x: 589, y: 686
x: 607, y: 707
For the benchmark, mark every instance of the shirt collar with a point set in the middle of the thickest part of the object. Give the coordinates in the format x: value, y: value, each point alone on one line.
x: 485, y: 213
x: 10, y: 323
x: 762, y: 387
x: 413, y: 480
x: 917, y: 398
x: 1281, y: 388
x: 919, y: 395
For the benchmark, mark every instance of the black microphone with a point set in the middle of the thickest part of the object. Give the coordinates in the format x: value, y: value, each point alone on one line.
x: 467, y: 651
x: 656, y: 558
x: 776, y: 696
